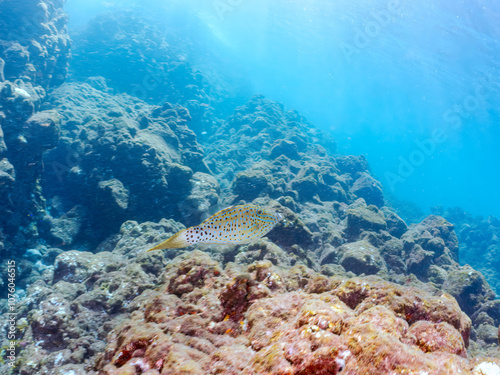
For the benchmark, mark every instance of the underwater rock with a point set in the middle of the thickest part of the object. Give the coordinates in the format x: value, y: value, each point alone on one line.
x: 77, y: 266
x: 192, y: 272
x: 249, y: 185
x: 51, y: 323
x: 469, y: 287
x: 17, y: 58
x: 42, y: 130
x: 34, y: 54
x: 291, y: 231
x: 284, y: 147
x: 306, y: 187
x: 114, y: 194
x: 251, y: 133
x: 395, y: 225
x: 351, y: 164
x: 362, y: 218
x: 431, y: 242
x: 361, y: 258
x: 418, y: 260
x: 230, y: 321
x: 36, y: 47
x: 99, y: 83
x: 489, y: 313
x: 478, y: 235
x: 112, y: 200
x: 154, y: 165
x: 487, y: 333
x: 409, y: 303
x: 67, y: 316
x: 204, y: 195
x: 392, y: 251
x: 64, y: 229
x: 330, y: 254
x: 149, y: 60
x: 263, y: 250
x: 313, y: 182
x: 442, y: 337
x: 437, y: 275
x: 23, y: 205
x: 7, y: 175
x: 369, y: 189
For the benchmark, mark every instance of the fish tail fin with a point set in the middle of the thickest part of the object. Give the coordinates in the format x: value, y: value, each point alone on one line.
x: 177, y: 241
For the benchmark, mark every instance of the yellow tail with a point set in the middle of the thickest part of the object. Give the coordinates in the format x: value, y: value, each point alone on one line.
x: 177, y: 241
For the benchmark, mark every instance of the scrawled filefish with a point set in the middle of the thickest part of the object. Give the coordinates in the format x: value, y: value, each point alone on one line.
x: 232, y: 225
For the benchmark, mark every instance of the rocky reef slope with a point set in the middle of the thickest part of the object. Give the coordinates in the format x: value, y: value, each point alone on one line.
x: 89, y: 177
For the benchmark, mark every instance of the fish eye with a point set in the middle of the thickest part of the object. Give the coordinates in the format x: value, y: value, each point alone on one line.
x: 259, y: 212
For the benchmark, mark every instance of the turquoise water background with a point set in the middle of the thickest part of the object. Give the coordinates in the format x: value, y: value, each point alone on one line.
x: 413, y: 86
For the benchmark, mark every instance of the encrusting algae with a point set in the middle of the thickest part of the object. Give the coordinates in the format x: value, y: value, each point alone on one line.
x: 232, y: 225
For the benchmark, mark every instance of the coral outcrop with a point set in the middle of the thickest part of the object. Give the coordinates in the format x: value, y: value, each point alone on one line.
x: 264, y: 319
x: 121, y: 159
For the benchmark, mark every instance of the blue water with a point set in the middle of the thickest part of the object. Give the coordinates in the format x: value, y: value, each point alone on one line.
x: 413, y: 86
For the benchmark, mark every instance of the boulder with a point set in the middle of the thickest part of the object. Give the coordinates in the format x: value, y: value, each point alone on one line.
x: 363, y: 218
x: 64, y: 230
x: 369, y: 189
x: 42, y: 130
x: 250, y: 184
x: 7, y: 174
x: 203, y: 197
x: 78, y: 266
x: 284, y: 147
x: 351, y: 164
x: 469, y: 287
x: 361, y: 258
x: 395, y: 225
x: 487, y: 333
x: 431, y: 337
x: 112, y: 200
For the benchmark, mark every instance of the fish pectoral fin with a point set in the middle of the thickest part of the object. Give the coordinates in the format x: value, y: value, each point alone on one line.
x: 177, y: 241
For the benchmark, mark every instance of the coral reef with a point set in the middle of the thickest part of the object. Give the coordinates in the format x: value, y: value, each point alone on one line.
x: 341, y: 286
x: 34, y: 55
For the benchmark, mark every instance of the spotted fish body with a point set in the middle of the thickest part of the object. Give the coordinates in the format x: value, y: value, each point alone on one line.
x: 233, y: 225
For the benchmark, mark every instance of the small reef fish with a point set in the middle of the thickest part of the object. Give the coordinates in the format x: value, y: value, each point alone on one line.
x: 232, y: 225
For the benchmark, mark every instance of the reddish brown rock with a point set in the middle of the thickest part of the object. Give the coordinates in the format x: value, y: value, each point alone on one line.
x: 205, y: 320
x: 411, y: 304
x: 432, y: 337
